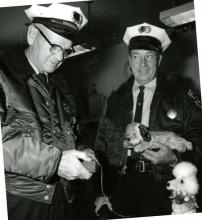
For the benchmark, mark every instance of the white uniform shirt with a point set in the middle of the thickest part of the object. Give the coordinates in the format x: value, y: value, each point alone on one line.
x: 148, y: 96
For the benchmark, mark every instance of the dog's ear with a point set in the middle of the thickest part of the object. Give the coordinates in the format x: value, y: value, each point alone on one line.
x: 145, y: 133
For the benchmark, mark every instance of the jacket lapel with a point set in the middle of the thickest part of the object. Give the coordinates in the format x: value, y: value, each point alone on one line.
x: 154, y: 109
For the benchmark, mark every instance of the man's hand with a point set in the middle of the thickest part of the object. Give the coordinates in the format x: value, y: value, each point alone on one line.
x: 70, y: 166
x: 159, y: 154
x: 90, y: 153
x: 100, y: 201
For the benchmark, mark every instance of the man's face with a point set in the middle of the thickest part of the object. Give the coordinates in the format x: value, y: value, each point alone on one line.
x: 39, y: 49
x: 144, y: 64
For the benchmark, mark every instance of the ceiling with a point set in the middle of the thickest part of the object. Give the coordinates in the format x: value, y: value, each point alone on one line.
x: 108, y: 19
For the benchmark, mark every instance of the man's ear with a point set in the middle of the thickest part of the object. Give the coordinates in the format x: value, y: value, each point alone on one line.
x: 31, y: 34
x: 160, y: 58
x: 145, y: 133
x: 129, y: 58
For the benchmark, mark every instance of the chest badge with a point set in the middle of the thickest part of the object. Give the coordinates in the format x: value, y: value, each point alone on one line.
x: 172, y: 113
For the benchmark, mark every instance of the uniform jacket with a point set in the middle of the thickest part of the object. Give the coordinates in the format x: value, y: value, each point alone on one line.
x: 171, y: 94
x: 36, y: 128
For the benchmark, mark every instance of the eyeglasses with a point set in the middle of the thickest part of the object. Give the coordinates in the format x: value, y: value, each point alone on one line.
x: 55, y: 49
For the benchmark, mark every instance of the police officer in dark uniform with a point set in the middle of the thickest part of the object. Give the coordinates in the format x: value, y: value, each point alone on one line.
x: 135, y: 184
x: 41, y: 159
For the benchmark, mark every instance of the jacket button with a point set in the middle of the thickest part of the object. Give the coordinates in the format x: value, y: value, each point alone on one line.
x: 46, y: 197
x: 48, y: 186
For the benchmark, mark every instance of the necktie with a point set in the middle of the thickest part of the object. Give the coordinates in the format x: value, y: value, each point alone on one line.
x: 139, y: 105
x: 43, y: 79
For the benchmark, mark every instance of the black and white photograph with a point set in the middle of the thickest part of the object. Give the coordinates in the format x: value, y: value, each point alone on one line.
x: 100, y: 110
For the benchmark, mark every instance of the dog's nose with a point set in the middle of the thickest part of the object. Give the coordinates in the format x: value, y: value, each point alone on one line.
x: 128, y: 139
x: 168, y: 184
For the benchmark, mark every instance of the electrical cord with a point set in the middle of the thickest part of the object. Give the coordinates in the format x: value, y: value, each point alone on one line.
x: 104, y: 195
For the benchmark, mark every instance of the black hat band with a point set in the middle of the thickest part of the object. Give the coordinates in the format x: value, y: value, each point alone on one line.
x: 145, y: 43
x: 64, y: 28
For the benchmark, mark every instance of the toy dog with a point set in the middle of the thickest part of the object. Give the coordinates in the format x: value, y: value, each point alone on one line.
x: 138, y: 137
x: 184, y: 188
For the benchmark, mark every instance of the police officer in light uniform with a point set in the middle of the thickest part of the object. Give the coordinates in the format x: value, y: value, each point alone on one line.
x: 40, y: 156
x: 137, y: 188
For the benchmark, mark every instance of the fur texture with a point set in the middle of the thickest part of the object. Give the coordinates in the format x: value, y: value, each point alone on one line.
x: 184, y: 188
x: 138, y: 137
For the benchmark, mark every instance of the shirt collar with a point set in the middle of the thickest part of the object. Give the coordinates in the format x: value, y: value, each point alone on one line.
x: 151, y: 86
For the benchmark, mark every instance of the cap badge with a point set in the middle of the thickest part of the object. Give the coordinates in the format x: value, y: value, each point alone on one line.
x: 144, y: 29
x: 172, y: 114
x: 77, y: 18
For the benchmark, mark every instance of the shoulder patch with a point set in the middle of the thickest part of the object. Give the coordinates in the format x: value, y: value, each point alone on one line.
x: 195, y: 98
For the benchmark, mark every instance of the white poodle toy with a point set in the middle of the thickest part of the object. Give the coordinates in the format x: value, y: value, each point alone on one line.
x: 184, y: 188
x: 139, y: 138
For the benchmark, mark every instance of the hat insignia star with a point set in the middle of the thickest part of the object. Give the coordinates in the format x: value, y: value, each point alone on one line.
x: 144, y: 29
x: 77, y: 18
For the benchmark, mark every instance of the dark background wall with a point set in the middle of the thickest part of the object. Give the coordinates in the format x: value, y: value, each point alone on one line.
x: 107, y: 19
